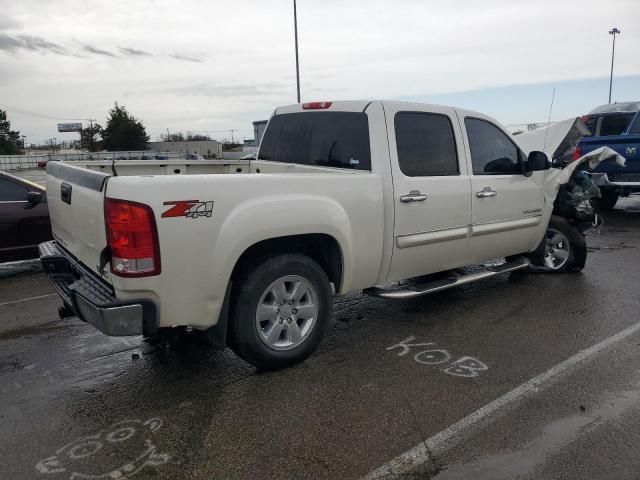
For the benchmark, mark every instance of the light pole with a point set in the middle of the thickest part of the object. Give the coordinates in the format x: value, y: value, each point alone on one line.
x: 295, y: 27
x: 614, y: 31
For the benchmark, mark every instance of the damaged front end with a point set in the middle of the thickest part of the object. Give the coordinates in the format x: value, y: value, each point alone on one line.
x: 569, y: 185
x: 573, y: 201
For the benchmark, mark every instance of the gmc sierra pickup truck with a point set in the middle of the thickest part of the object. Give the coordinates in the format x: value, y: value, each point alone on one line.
x: 391, y: 198
x: 615, y: 180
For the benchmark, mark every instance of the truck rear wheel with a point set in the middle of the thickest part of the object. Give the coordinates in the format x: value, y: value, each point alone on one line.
x: 280, y: 311
x: 563, y: 248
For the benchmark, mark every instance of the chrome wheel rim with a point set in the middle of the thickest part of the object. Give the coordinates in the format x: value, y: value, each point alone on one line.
x: 287, y: 312
x: 557, y: 249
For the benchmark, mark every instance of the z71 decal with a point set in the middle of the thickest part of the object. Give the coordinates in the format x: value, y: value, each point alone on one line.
x: 189, y: 209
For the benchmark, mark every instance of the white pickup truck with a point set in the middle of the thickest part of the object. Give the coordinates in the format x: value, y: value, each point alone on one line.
x: 392, y: 198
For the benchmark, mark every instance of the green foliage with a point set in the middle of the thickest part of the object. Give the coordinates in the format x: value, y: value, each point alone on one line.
x: 124, y: 131
x: 9, y: 139
x: 90, y: 138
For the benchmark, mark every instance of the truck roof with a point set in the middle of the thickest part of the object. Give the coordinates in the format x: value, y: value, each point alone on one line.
x: 358, y: 106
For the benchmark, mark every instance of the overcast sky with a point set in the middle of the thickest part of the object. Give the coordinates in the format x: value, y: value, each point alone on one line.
x: 208, y: 66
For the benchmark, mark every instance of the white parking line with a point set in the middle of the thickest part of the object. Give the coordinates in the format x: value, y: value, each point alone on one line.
x: 421, y: 454
x: 27, y: 299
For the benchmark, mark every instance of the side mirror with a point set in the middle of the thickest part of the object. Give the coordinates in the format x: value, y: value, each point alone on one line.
x: 34, y: 198
x: 536, y: 162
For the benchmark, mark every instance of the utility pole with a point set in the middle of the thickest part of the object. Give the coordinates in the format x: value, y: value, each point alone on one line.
x: 614, y: 31
x: 295, y: 27
x: 24, y: 143
x: 232, y: 142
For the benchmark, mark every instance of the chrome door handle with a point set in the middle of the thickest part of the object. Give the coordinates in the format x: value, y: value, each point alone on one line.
x: 413, y: 196
x: 486, y: 192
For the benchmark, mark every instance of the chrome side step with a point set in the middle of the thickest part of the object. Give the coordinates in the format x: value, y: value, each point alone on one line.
x: 453, y: 280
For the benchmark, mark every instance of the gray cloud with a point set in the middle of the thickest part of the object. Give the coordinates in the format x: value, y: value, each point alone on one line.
x: 15, y: 43
x: 96, y: 51
x: 134, y: 52
x: 207, y: 90
x: 7, y: 23
x: 185, y: 58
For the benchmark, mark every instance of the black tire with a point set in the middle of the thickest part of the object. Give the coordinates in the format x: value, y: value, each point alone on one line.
x: 606, y: 202
x: 577, y: 247
x: 245, y: 339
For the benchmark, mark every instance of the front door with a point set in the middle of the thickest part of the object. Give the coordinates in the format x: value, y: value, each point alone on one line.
x: 506, y: 205
x: 431, y: 191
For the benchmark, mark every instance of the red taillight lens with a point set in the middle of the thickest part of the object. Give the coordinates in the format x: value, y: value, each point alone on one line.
x: 132, y: 238
x: 316, y: 105
x: 577, y: 153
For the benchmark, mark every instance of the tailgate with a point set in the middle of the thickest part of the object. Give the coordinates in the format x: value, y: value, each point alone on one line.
x: 629, y: 147
x: 76, y: 207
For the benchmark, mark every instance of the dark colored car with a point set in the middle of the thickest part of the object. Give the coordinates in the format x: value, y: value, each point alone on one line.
x: 24, y: 218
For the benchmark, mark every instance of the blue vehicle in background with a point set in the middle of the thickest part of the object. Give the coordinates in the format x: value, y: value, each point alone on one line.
x: 616, y: 126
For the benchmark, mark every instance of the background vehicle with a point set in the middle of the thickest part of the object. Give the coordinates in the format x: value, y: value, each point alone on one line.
x: 343, y: 196
x: 614, y: 180
x: 611, y: 118
x: 24, y: 218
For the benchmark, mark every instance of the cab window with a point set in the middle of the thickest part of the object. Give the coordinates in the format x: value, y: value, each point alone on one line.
x: 492, y: 151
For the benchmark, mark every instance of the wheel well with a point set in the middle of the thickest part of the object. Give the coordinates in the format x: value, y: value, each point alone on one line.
x: 323, y: 248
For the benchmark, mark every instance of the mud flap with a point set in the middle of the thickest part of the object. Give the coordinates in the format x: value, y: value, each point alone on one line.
x: 217, y: 335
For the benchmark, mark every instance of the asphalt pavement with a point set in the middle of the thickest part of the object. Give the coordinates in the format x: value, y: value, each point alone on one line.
x: 521, y: 376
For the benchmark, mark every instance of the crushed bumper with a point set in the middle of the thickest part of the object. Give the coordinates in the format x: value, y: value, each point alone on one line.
x: 93, y: 300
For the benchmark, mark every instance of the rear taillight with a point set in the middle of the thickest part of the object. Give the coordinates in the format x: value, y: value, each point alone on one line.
x: 577, y: 153
x: 132, y: 238
x: 316, y: 105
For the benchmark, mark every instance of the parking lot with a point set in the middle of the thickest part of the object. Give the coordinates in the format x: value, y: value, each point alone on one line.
x: 528, y: 376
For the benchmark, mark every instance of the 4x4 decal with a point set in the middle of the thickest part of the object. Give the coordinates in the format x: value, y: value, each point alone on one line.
x: 189, y: 209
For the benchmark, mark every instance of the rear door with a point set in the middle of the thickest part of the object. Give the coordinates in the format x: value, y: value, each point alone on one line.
x: 506, y: 205
x: 431, y: 190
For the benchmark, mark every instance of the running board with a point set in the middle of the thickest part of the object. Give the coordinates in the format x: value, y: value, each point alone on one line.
x: 454, y: 280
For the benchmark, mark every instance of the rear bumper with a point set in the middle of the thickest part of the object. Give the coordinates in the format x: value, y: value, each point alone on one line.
x: 93, y: 300
x: 602, y: 180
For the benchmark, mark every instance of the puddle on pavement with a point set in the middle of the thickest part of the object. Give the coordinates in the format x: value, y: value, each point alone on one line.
x: 554, y: 437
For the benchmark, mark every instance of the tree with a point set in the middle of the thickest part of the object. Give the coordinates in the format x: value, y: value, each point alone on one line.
x: 90, y: 138
x: 173, y: 137
x: 197, y: 138
x: 124, y: 131
x: 9, y: 139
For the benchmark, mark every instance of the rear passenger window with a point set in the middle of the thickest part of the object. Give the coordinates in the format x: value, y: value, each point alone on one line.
x: 426, y: 144
x: 12, y: 192
x: 614, y: 124
x: 492, y: 151
x: 327, y: 139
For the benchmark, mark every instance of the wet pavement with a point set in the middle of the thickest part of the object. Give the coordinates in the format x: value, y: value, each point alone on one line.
x: 76, y: 402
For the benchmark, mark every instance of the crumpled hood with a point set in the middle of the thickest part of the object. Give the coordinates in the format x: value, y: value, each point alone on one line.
x: 556, y: 177
x: 558, y: 140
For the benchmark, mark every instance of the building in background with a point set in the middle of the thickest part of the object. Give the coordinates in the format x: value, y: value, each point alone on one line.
x: 206, y: 148
x: 258, y: 130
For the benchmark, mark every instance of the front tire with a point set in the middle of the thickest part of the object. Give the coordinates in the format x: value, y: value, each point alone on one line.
x: 280, y: 311
x: 563, y: 248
